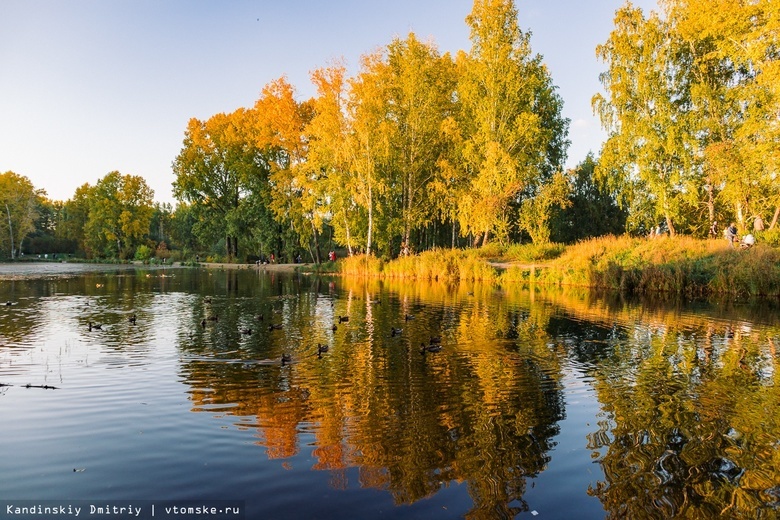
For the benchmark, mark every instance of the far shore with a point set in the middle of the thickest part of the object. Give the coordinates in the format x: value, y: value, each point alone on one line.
x: 280, y: 268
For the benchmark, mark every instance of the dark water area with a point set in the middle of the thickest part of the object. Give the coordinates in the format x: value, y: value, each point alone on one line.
x: 548, y: 403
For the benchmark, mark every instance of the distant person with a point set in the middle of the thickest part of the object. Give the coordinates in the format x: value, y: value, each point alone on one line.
x: 714, y: 229
x: 748, y: 241
x: 731, y: 234
x: 758, y: 224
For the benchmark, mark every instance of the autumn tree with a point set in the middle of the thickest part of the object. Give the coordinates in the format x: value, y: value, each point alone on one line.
x: 648, y: 113
x: 296, y: 198
x: 368, y: 142
x: 217, y: 162
x: 737, y: 98
x: 515, y: 136
x: 329, y: 157
x: 691, y: 108
x: 419, y: 97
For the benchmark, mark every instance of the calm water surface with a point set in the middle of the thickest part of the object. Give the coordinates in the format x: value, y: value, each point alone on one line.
x: 549, y: 404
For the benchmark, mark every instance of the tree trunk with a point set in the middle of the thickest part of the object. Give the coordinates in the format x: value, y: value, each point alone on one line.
x: 711, y: 201
x: 370, y: 220
x: 11, y: 229
x: 740, y: 215
x: 318, y: 257
x: 485, y: 238
x: 775, y: 217
x: 349, y: 239
x: 453, y: 234
x: 670, y: 225
x: 231, y: 246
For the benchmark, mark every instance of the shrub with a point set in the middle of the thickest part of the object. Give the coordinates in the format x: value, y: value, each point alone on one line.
x: 143, y: 253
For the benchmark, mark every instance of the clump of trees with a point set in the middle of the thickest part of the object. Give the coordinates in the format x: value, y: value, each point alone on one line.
x: 415, y: 144
x: 107, y: 220
x: 692, y: 106
x: 421, y: 149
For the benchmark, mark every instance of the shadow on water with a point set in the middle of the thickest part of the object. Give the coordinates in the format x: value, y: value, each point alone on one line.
x: 475, y: 399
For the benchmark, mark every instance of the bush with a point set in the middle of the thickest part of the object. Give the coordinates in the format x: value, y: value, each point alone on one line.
x: 143, y: 253
x: 770, y: 237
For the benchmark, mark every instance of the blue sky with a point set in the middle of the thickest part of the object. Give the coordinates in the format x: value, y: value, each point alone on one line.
x: 92, y: 86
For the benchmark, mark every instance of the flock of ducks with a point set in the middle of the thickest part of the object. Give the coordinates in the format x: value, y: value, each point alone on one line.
x: 132, y: 319
x: 433, y: 345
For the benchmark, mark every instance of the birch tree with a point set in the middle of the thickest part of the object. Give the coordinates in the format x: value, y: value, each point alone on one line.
x: 515, y: 136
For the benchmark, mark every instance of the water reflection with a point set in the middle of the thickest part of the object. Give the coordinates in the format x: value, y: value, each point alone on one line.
x: 682, y: 400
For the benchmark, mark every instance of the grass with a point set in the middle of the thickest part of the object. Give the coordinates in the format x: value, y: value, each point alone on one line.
x: 679, y: 265
x: 676, y: 265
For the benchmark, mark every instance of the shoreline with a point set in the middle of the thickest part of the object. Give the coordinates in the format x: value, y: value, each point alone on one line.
x: 277, y: 268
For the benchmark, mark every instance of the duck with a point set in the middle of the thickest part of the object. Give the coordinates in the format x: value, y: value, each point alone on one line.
x: 259, y: 317
x: 246, y: 331
x: 286, y: 358
x: 132, y: 319
x: 343, y: 319
x: 409, y: 317
x: 213, y: 317
x: 203, y: 323
x: 95, y: 326
x: 435, y: 340
x: 275, y: 326
x: 395, y: 331
x: 207, y: 299
x: 321, y: 349
x: 334, y: 327
x: 429, y: 348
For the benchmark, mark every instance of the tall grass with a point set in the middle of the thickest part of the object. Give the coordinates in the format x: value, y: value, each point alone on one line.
x: 677, y: 265
x: 680, y: 265
x: 438, y: 264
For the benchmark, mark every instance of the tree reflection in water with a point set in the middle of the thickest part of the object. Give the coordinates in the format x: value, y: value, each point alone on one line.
x: 483, y: 411
x: 688, y: 400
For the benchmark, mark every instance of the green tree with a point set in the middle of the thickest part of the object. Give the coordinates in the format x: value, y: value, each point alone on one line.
x: 183, y: 220
x: 48, y: 236
x: 18, y: 207
x: 160, y: 224
x: 120, y: 210
x: 75, y: 214
x: 514, y: 134
x: 592, y: 210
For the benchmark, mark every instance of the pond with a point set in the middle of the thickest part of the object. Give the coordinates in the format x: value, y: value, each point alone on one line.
x: 549, y: 403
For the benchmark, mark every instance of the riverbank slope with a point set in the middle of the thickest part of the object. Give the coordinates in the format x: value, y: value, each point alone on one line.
x: 679, y: 265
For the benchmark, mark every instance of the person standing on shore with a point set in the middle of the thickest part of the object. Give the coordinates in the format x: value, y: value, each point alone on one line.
x: 714, y: 229
x: 758, y: 223
x: 731, y: 234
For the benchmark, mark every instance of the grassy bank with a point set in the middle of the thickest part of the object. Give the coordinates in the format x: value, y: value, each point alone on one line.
x: 679, y: 265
